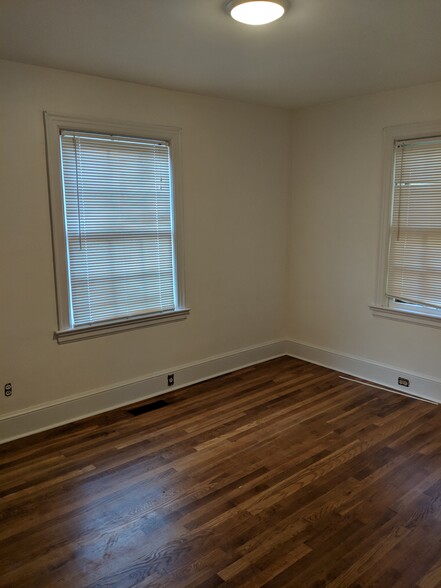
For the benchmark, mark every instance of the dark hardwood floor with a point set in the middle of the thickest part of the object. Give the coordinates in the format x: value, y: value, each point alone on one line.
x: 281, y: 474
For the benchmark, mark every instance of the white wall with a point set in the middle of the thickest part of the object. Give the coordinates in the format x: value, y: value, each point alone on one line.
x: 236, y: 198
x: 240, y: 163
x: 335, y: 223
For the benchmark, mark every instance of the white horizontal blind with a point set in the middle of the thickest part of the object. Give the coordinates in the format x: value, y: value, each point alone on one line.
x: 414, y: 269
x: 119, y: 226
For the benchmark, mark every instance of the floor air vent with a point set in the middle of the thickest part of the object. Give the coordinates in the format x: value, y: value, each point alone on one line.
x: 148, y: 407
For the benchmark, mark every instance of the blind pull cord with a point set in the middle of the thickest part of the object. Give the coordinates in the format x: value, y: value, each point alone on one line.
x: 399, y: 194
x: 80, y: 235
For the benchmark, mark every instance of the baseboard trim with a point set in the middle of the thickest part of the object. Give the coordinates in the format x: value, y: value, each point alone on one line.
x: 385, y: 375
x: 49, y: 415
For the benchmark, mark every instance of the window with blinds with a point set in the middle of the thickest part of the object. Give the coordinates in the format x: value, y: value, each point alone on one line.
x: 119, y: 230
x: 414, y: 265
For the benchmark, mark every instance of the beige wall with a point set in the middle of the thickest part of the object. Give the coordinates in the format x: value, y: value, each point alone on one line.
x: 236, y: 191
x: 336, y: 199
x: 240, y: 162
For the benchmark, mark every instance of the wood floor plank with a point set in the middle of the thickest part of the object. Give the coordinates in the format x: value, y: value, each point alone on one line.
x: 279, y: 474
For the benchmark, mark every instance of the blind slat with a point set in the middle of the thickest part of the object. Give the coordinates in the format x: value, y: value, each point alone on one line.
x: 414, y: 267
x: 118, y: 212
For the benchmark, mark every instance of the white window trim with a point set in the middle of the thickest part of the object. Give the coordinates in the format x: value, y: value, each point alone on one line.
x: 382, y: 306
x: 54, y: 124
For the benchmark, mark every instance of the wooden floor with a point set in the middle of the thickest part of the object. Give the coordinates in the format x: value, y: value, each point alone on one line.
x: 282, y: 474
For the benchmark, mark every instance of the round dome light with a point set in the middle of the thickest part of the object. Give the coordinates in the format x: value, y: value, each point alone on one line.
x: 257, y: 12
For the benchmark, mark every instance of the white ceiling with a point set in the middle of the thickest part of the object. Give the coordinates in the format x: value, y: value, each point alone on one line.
x: 321, y: 50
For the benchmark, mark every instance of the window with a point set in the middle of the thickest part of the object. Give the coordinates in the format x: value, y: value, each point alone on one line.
x: 410, y: 260
x: 114, y: 211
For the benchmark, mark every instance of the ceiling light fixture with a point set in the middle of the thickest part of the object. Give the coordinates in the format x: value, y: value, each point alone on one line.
x: 257, y: 12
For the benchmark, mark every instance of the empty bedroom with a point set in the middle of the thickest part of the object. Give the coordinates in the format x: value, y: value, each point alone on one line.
x: 220, y: 295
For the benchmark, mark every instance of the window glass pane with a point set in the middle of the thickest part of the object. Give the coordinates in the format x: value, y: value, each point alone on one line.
x: 414, y: 267
x: 118, y: 216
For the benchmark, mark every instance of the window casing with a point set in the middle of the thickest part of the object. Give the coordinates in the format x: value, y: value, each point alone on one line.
x: 409, y: 277
x: 116, y: 225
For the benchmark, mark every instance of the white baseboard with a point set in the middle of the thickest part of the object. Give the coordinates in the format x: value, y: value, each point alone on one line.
x: 49, y: 415
x: 421, y: 386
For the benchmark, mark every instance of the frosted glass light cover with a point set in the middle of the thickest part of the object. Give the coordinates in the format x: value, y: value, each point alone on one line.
x: 258, y: 12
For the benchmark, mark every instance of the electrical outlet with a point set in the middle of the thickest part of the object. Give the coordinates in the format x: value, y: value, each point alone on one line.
x: 404, y: 382
x: 8, y: 389
x: 171, y: 379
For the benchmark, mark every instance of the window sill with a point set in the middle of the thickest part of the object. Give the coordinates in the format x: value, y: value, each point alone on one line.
x: 407, y: 316
x: 88, y: 332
